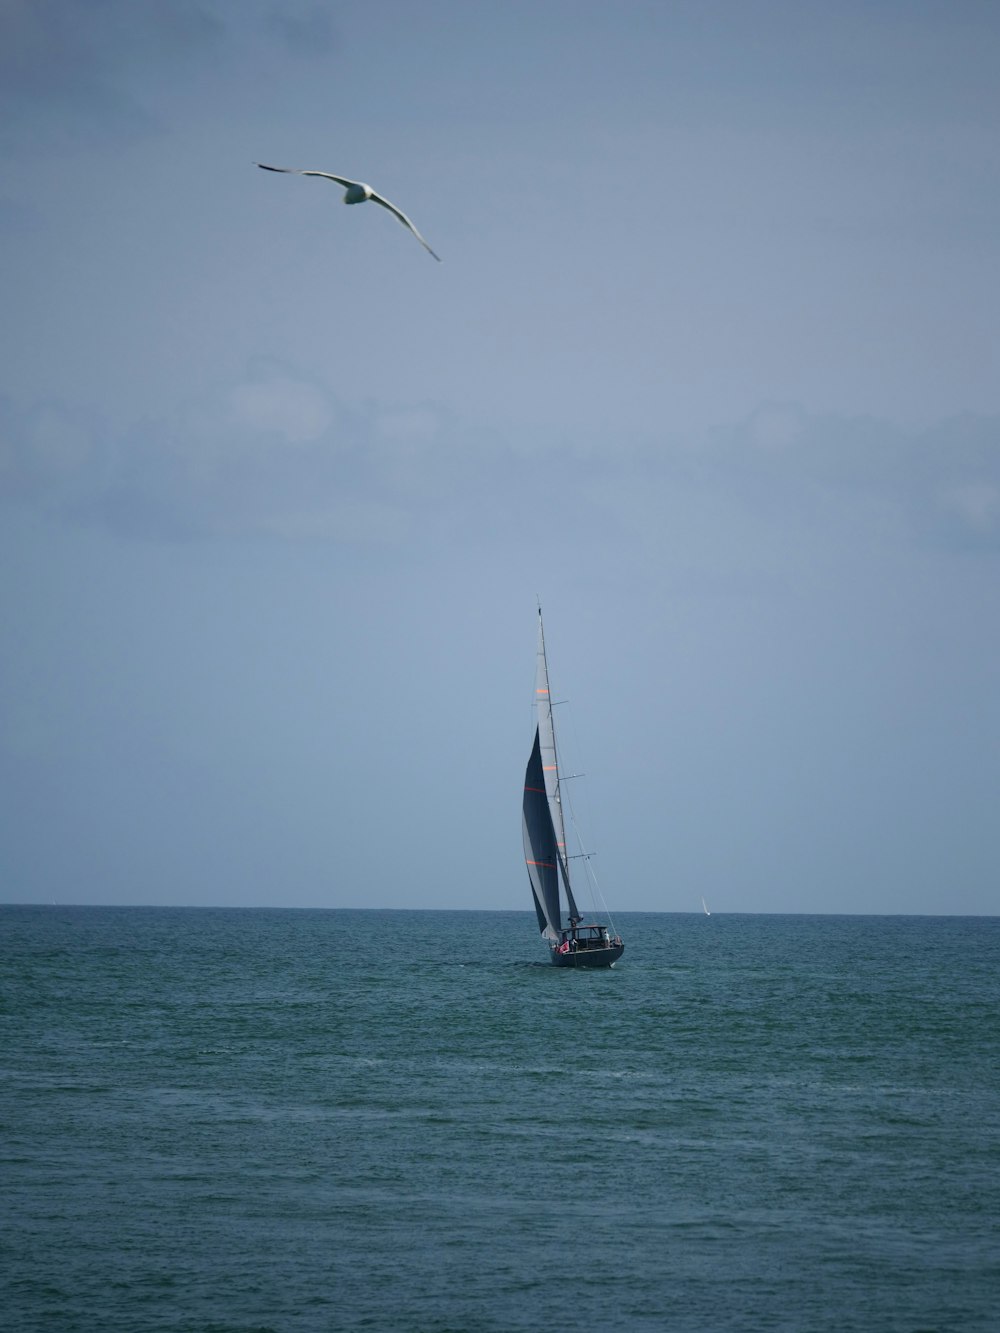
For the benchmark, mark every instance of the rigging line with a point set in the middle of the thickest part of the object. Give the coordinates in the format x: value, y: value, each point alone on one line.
x: 597, y: 897
x: 596, y: 893
x: 588, y: 811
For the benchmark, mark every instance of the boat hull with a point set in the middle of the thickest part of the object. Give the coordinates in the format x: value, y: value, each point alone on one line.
x: 588, y: 957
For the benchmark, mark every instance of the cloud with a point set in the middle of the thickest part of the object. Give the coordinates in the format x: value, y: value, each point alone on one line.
x: 307, y: 32
x: 276, y: 454
x: 417, y: 425
x: 46, y: 453
x: 267, y: 455
x: 271, y: 455
x: 73, y: 73
x: 937, y: 483
x: 65, y: 69
x: 777, y: 425
x: 977, y: 505
x: 288, y: 409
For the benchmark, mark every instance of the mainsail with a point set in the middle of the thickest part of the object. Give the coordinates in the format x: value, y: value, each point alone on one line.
x: 540, y: 846
x: 543, y: 828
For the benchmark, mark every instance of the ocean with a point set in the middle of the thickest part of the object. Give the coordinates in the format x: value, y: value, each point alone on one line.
x: 271, y: 1121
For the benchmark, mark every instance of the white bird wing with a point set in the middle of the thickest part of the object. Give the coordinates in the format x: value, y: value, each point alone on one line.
x: 374, y: 198
x: 294, y: 171
x: 377, y: 199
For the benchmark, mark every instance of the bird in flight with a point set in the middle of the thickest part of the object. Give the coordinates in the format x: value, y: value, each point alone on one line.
x: 356, y: 192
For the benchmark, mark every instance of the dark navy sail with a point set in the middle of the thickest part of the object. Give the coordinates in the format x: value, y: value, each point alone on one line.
x: 540, y: 851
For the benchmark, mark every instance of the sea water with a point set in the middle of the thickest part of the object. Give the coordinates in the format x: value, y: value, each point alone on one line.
x: 293, y: 1120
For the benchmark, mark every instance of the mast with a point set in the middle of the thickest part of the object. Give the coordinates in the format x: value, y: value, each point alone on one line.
x: 550, y: 767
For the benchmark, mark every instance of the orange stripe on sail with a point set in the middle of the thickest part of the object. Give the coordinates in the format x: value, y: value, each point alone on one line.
x: 546, y: 865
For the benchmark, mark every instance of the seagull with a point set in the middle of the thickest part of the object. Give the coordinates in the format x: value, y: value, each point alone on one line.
x: 356, y: 192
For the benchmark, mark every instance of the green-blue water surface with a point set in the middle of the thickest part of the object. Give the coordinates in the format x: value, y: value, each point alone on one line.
x: 222, y: 1120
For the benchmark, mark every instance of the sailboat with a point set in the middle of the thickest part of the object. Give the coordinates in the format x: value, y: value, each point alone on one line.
x: 705, y: 905
x: 575, y: 943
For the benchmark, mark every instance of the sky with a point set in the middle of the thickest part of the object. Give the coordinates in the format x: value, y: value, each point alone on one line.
x: 711, y: 368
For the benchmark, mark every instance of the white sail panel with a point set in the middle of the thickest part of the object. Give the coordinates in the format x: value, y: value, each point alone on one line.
x: 547, y: 743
